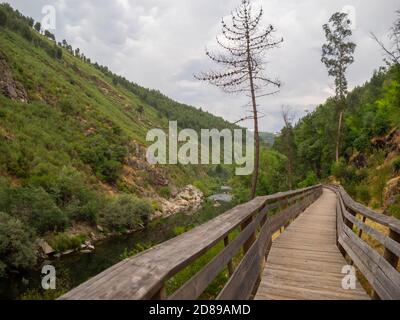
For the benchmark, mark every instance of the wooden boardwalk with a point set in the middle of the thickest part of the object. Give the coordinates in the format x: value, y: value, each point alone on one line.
x: 304, y: 262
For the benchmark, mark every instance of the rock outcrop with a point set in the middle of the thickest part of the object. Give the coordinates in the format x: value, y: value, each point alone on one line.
x: 8, y: 86
x: 358, y: 160
x: 44, y: 248
x: 189, y: 200
x: 390, y: 142
x: 392, y: 190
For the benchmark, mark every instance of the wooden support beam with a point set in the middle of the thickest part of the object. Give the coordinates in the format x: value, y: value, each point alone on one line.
x: 230, y: 264
x: 389, y: 256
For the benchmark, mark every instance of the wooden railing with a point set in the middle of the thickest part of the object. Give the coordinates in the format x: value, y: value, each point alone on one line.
x: 380, y: 270
x: 144, y: 276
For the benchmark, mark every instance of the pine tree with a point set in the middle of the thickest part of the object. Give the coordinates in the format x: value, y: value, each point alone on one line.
x: 244, y: 43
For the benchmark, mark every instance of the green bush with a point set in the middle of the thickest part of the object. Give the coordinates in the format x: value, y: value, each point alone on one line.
x: 104, y: 156
x: 125, y: 213
x: 3, y: 18
x: 362, y: 142
x: 396, y: 165
x: 363, y: 194
x: 17, y: 250
x: 68, y: 188
x: 63, y: 242
x: 178, y: 230
x: 310, y: 180
x: 33, y: 206
x: 165, y: 192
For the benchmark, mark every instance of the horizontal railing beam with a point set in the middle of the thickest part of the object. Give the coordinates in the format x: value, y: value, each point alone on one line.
x: 144, y: 275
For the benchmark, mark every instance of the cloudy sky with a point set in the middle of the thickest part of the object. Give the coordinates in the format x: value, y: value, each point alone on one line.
x: 161, y: 43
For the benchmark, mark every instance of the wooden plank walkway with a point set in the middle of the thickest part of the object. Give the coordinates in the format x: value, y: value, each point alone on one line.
x: 304, y: 262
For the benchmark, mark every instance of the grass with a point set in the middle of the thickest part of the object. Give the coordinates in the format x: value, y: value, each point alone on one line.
x: 217, y: 284
x: 63, y: 242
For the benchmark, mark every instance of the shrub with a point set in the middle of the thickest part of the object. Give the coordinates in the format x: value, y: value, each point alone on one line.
x: 178, y: 230
x: 34, y: 206
x: 363, y: 194
x: 362, y: 143
x: 165, y: 192
x: 16, y: 244
x: 126, y: 213
x: 140, y: 109
x: 309, y: 181
x: 3, y: 18
x: 38, y: 26
x: 105, y: 157
x: 63, y: 242
x: 111, y: 170
x: 396, y: 165
x: 66, y: 106
x: 68, y: 189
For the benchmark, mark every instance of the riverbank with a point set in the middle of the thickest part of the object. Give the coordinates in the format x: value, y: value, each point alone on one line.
x: 82, y: 237
x: 75, y: 268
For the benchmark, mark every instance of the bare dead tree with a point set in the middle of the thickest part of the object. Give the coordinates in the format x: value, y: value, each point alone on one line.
x: 288, y: 146
x: 244, y: 44
x: 392, y: 51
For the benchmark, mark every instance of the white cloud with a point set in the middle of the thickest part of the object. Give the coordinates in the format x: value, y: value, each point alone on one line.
x: 160, y: 44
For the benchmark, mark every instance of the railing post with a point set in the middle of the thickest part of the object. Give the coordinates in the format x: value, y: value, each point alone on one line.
x: 348, y: 222
x: 252, y: 237
x: 389, y: 255
x: 360, y: 232
x: 286, y: 205
x: 161, y: 294
x: 230, y: 264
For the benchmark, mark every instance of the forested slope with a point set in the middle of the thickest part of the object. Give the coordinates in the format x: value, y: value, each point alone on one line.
x: 72, y: 142
x: 370, y: 148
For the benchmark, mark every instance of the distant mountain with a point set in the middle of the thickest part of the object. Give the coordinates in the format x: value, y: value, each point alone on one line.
x: 268, y: 138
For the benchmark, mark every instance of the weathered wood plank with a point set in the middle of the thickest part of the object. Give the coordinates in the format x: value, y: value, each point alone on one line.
x: 304, y: 262
x: 143, y: 276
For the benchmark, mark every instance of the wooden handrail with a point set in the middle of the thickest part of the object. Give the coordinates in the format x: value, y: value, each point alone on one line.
x: 379, y: 270
x: 144, y: 275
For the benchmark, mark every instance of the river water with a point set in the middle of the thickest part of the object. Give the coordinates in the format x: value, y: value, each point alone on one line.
x: 76, y: 268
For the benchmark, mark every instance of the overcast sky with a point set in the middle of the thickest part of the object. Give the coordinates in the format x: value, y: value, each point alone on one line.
x: 160, y: 44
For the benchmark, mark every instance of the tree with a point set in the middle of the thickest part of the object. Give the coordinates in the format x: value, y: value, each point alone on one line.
x: 3, y: 18
x: 337, y: 55
x: 17, y: 249
x: 244, y: 44
x: 38, y: 26
x: 49, y: 35
x: 393, y: 51
x: 286, y: 142
x: 140, y: 109
x: 58, y: 53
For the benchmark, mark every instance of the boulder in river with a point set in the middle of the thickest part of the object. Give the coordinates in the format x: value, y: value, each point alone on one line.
x: 188, y: 199
x: 44, y: 247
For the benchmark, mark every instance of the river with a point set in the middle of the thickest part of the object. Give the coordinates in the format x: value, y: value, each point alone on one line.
x: 76, y: 268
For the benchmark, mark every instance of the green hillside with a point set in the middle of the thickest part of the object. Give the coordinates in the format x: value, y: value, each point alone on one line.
x: 72, y: 140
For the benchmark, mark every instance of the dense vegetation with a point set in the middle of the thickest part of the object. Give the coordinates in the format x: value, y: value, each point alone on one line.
x: 71, y: 144
x: 71, y: 151
x: 368, y: 162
